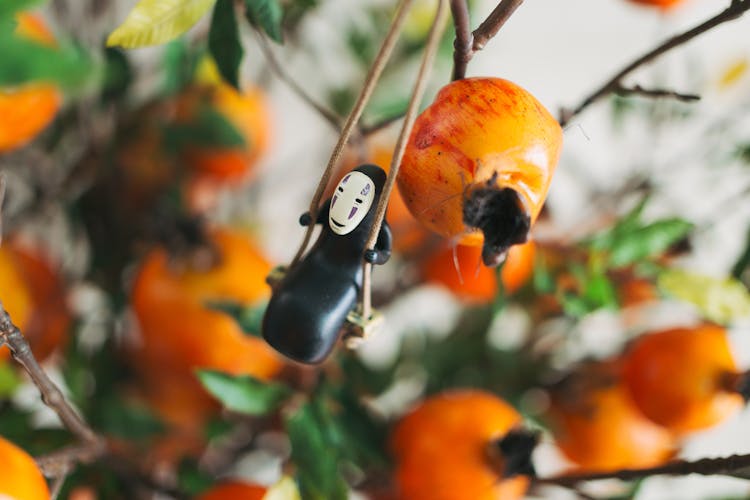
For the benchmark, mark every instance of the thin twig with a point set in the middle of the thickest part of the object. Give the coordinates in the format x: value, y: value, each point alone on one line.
x: 497, y: 18
x: 351, y: 122
x: 420, y: 85
x: 62, y: 462
x: 329, y: 116
x: 51, y: 394
x: 462, y: 45
x: 57, y: 485
x: 655, y: 93
x: 706, y: 467
x: 735, y: 10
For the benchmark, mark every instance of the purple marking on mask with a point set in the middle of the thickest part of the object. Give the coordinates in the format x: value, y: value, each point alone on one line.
x: 365, y: 190
x: 345, y: 179
x: 333, y: 201
x: 354, y: 211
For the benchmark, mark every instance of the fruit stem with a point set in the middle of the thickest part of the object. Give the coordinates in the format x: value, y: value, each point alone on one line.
x: 511, y: 454
x: 738, y: 382
x: 501, y: 216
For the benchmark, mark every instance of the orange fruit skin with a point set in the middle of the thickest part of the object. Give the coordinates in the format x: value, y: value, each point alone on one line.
x: 179, y: 333
x: 675, y: 377
x: 475, y: 128
x: 234, y: 490
x: 28, y: 109
x: 248, y: 112
x: 34, y: 296
x: 440, y: 448
x: 602, y: 430
x: 662, y: 4
x: 477, y: 282
x: 19, y: 476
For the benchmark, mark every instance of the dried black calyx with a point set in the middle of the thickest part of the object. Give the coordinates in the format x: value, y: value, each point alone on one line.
x: 516, y: 448
x: 500, y: 215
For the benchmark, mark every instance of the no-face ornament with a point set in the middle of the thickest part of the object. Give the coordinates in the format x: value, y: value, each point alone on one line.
x: 309, y: 306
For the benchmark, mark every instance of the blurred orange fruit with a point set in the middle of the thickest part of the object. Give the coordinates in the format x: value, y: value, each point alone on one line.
x: 443, y: 448
x: 683, y: 378
x: 34, y: 296
x: 27, y: 109
x: 662, y: 4
x: 180, y: 333
x: 598, y: 426
x: 234, y: 490
x: 19, y: 476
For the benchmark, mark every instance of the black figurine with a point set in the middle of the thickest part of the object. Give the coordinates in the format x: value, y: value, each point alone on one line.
x: 309, y: 306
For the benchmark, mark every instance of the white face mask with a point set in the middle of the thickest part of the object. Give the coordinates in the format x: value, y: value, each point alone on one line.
x: 350, y: 202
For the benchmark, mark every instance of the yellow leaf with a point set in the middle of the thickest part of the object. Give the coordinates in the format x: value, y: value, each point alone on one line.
x: 285, y: 489
x: 152, y: 22
x: 734, y: 73
x: 207, y: 73
x: 720, y: 299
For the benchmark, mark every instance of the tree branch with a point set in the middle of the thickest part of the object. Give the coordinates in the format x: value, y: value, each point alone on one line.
x: 497, y: 18
x: 735, y: 10
x: 707, y: 466
x: 462, y: 45
x: 656, y: 93
x: 332, y: 118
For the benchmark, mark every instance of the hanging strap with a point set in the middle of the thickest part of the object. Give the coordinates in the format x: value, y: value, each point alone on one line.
x: 433, y: 41
x: 351, y: 121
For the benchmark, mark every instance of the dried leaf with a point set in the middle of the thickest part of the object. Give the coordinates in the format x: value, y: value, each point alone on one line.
x: 722, y: 300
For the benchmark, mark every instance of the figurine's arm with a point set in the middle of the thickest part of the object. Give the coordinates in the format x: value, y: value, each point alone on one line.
x: 322, y: 217
x: 382, y: 251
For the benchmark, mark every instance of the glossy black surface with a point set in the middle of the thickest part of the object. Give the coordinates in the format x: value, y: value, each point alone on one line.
x: 309, y: 307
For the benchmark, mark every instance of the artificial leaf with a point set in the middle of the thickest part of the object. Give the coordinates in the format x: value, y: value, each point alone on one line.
x: 720, y: 299
x: 316, y: 459
x: 209, y: 129
x: 224, y: 42
x: 267, y: 14
x: 10, y: 7
x: 648, y: 241
x: 284, y: 489
x: 243, y: 393
x: 26, y: 61
x: 153, y: 22
x: 248, y: 318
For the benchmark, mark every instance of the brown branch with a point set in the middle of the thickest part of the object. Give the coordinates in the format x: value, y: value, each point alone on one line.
x: 735, y: 10
x: 329, y: 116
x: 731, y: 466
x: 463, y: 44
x: 497, y: 18
x: 655, y: 93
x: 61, y: 462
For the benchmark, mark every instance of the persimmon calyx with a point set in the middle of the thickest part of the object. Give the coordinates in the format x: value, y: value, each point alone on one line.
x: 511, y: 455
x: 500, y: 214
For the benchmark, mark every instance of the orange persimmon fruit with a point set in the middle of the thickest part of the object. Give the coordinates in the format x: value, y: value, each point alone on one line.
x: 19, y: 476
x: 599, y: 428
x: 234, y: 490
x: 461, y: 270
x: 179, y: 332
x: 661, y: 4
x: 34, y: 296
x: 450, y: 447
x: 479, y: 163
x: 684, y: 379
x: 27, y: 109
x: 247, y: 111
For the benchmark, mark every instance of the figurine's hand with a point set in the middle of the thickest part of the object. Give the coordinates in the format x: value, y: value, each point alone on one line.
x: 371, y: 256
x: 305, y: 219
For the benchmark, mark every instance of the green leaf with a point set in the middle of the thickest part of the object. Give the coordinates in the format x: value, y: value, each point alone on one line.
x: 722, y: 300
x: 153, y: 22
x: 118, y: 74
x: 24, y: 61
x: 191, y: 479
x: 250, y: 318
x: 9, y: 7
x: 743, y: 262
x: 224, y: 42
x: 210, y: 129
x: 267, y: 14
x: 317, y: 461
x: 127, y: 420
x: 9, y: 379
x: 243, y: 393
x: 648, y: 241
